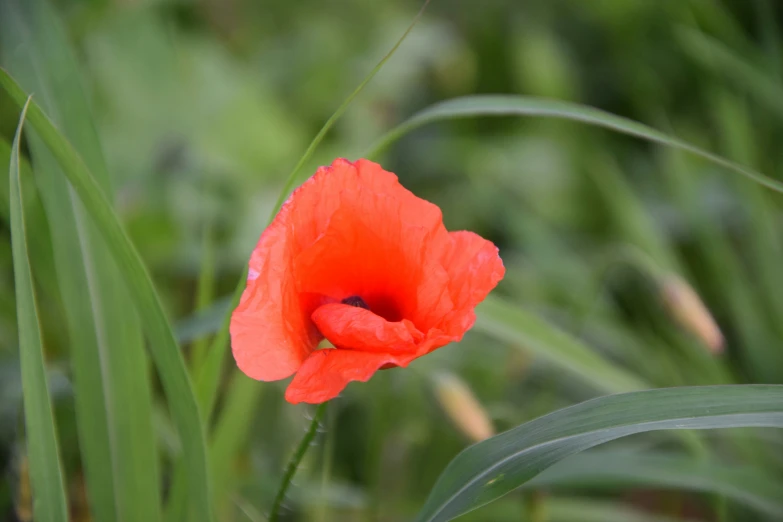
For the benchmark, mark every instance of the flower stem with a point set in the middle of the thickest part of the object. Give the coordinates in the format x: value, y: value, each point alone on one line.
x: 296, y: 459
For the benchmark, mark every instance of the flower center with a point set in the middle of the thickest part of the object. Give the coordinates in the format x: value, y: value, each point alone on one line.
x: 356, y: 301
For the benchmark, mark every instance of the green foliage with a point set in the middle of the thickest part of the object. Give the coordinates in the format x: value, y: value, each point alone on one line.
x: 46, y: 478
x: 494, y: 467
x: 158, y: 141
x: 110, y: 368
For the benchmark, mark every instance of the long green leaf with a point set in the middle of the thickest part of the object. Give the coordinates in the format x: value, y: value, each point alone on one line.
x: 163, y: 346
x: 503, y: 105
x: 45, y: 471
x: 498, y: 465
x: 512, y: 324
x: 111, y: 372
x: 40, y: 241
x: 615, y: 469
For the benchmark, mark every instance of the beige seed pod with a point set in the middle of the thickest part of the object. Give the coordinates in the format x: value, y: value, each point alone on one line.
x: 689, y: 311
x: 462, y: 407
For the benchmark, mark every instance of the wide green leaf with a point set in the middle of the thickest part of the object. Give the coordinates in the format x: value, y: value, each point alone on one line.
x: 617, y: 469
x: 507, y: 105
x: 502, y: 463
x: 45, y: 471
x: 106, y: 344
x: 163, y: 347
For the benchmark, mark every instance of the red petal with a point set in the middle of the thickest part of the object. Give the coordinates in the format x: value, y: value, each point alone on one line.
x: 475, y: 268
x: 353, y: 230
x: 382, y: 247
x: 359, y: 329
x: 270, y: 334
x: 326, y: 372
x: 271, y: 329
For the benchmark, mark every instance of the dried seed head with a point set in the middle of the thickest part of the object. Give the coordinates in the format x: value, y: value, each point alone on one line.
x: 689, y: 311
x: 461, y: 406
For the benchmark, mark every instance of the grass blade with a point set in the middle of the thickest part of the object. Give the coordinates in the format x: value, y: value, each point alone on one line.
x: 163, y: 347
x: 617, y: 469
x: 45, y: 471
x: 507, y: 105
x: 511, y: 323
x: 111, y: 371
x: 715, y: 56
x: 490, y: 469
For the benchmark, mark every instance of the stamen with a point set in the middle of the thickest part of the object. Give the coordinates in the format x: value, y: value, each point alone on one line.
x: 356, y: 301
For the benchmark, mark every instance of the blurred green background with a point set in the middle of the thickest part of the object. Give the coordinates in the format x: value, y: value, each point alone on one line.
x: 202, y: 107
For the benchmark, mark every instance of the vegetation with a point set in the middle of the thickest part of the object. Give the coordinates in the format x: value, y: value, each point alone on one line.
x: 623, y: 154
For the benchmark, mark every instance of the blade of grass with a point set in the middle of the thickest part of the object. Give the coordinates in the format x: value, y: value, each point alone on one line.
x: 46, y: 475
x: 628, y: 213
x: 720, y: 264
x: 111, y: 375
x: 40, y: 241
x: 770, y: 33
x: 205, y: 322
x: 761, y: 240
x: 510, y: 323
x: 231, y: 433
x: 503, y: 105
x: 163, y: 347
x: 715, y: 56
x: 205, y: 292
x: 496, y: 466
x: 617, y: 469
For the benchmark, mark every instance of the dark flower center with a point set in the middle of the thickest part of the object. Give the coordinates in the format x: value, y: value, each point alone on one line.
x: 356, y: 301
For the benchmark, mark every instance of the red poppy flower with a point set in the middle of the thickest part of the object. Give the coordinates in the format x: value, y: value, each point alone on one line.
x: 355, y: 258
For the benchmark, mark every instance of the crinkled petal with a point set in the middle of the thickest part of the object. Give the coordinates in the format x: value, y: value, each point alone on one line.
x: 378, y: 247
x: 353, y: 230
x: 327, y: 372
x: 270, y: 335
x: 359, y: 329
x: 474, y: 268
x: 271, y: 330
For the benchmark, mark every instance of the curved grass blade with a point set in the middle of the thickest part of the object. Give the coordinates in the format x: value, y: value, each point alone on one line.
x: 506, y: 105
x: 494, y: 467
x: 617, y: 469
x: 111, y: 372
x: 510, y: 323
x: 39, y: 242
x: 163, y: 347
x: 46, y: 476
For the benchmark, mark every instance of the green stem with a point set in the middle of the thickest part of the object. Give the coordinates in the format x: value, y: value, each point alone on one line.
x: 296, y: 459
